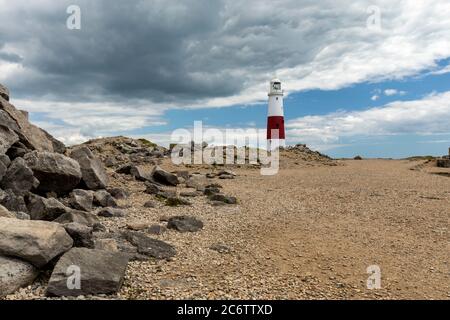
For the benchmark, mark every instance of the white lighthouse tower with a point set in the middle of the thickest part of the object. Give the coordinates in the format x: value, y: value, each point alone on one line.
x: 275, y: 118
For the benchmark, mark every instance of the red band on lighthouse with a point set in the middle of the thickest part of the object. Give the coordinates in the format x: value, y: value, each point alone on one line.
x: 275, y: 123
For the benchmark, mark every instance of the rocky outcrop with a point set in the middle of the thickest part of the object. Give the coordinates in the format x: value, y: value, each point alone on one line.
x: 15, y: 274
x: 101, y: 272
x: 92, y: 169
x: 55, y: 172
x: 28, y: 134
x: 36, y: 242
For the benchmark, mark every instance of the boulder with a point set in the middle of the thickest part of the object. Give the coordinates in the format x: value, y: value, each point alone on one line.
x: 102, y: 198
x: 81, y: 234
x: 152, y: 188
x: 81, y: 199
x: 41, y: 208
x: 176, y: 201
x: 149, y: 246
x: 5, y: 160
x: 222, y: 198
x: 190, y: 194
x: 30, y: 135
x: 185, y: 224
x: 4, y: 92
x: 111, y: 213
x: 93, y: 172
x: 12, y: 202
x: 36, y: 242
x: 19, y: 178
x: 164, y: 177
x: 100, y: 271
x: 141, y: 173
x: 7, y: 138
x: 55, y: 171
x: 78, y: 216
x: 15, y: 274
x: 118, y: 193
x: 211, y: 190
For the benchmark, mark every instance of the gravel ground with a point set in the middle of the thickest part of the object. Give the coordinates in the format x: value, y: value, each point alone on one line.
x: 306, y: 233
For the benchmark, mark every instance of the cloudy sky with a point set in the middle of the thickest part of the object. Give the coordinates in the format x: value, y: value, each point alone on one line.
x: 361, y: 77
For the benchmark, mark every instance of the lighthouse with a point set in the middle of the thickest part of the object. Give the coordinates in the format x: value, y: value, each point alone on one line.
x: 275, y: 117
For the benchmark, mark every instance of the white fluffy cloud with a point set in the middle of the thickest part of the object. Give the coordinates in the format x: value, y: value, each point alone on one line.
x: 428, y: 116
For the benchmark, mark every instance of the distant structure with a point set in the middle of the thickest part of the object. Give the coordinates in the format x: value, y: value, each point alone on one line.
x: 275, y: 118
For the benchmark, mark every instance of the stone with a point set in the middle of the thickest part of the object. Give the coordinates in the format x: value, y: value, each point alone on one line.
x: 164, y: 177
x: 23, y: 216
x: 211, y: 190
x: 185, y: 224
x: 41, y: 208
x: 37, y: 242
x: 226, y: 176
x: 93, y: 172
x: 166, y: 194
x: 55, y: 171
x: 183, y: 174
x: 141, y: 173
x: 176, y: 201
x: 17, y: 150
x: 31, y: 136
x: 125, y: 169
x: 7, y: 138
x: 107, y: 245
x: 102, y: 272
x: 4, y: 92
x: 111, y: 213
x: 137, y: 226
x: 118, y: 193
x: 226, y: 172
x: 102, y: 198
x: 220, y: 248
x: 12, y: 202
x: 5, y: 160
x: 149, y: 204
x: 223, y: 198
x: 5, y: 213
x: 81, y: 234
x: 19, y: 178
x: 150, y: 247
x: 15, y: 274
x: 78, y: 216
x: 156, y: 229
x: 81, y: 199
x: 152, y: 188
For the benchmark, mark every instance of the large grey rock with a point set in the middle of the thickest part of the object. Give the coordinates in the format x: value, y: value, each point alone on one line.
x: 7, y: 138
x: 41, y: 208
x: 19, y: 177
x: 31, y: 136
x: 55, y: 171
x: 81, y: 199
x: 36, y: 242
x: 102, y: 272
x: 81, y: 217
x: 222, y: 198
x: 185, y: 224
x: 81, y: 234
x: 93, y: 172
x: 148, y: 246
x: 15, y: 274
x: 104, y: 199
x: 164, y: 177
x: 12, y: 201
x: 111, y: 213
x: 141, y: 173
x: 4, y: 92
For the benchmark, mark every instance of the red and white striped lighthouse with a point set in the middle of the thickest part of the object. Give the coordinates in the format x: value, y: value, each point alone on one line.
x: 275, y: 118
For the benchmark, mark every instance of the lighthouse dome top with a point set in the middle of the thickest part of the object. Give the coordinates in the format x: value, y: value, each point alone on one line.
x: 275, y: 87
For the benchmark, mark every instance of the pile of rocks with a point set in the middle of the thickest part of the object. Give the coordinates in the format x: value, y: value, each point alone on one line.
x: 51, y: 199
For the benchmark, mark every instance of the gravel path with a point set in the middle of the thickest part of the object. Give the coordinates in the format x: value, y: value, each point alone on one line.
x: 311, y: 233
